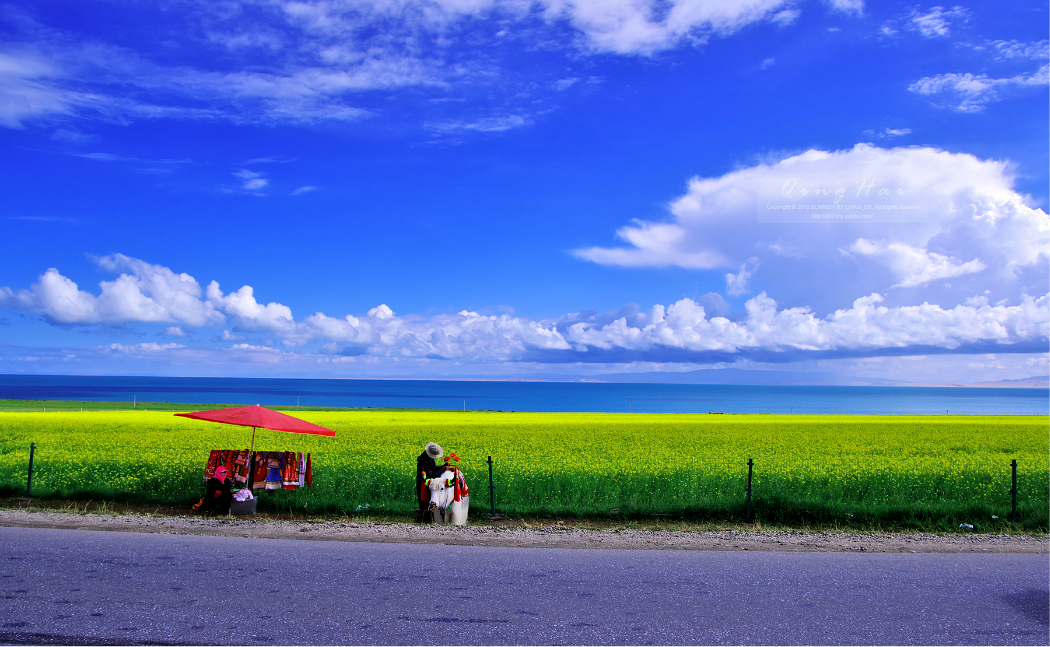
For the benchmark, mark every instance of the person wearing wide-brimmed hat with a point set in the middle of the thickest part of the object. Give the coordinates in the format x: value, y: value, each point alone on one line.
x: 427, y: 468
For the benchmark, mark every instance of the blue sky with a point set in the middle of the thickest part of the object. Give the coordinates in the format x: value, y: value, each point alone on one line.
x: 513, y: 189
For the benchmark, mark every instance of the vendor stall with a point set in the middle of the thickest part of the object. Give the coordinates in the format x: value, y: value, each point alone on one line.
x: 251, y: 470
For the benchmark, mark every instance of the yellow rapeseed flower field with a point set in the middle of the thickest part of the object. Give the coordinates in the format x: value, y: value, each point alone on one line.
x: 564, y: 463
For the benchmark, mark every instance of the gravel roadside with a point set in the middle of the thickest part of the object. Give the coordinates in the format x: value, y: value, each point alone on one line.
x: 519, y: 534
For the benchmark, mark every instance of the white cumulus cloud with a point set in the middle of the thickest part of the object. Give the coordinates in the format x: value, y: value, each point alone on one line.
x: 254, y: 348
x: 147, y: 347
x: 684, y: 331
x: 975, y: 226
x: 916, y: 266
x: 142, y: 293
x: 737, y: 284
x: 768, y: 331
x: 249, y: 314
x: 466, y: 335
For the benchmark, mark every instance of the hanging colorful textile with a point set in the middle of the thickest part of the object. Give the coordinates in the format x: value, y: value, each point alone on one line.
x: 290, y: 473
x: 274, y: 462
x: 260, y: 469
x: 268, y: 470
x: 213, y: 462
x: 217, y: 458
x: 240, y: 467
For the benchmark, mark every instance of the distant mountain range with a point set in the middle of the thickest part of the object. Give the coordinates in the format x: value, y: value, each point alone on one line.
x: 785, y: 378
x: 740, y: 376
x: 1035, y: 382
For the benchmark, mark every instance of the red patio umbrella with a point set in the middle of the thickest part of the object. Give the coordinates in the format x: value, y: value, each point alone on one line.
x: 257, y: 416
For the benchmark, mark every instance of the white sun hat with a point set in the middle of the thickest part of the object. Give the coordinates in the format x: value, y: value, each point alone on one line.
x: 434, y: 450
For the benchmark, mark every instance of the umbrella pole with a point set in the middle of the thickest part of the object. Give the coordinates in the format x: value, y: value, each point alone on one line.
x: 251, y: 460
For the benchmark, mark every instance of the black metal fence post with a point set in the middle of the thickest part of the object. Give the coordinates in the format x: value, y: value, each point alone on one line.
x: 1013, y: 492
x: 750, y: 465
x: 29, y: 479
x: 492, y: 489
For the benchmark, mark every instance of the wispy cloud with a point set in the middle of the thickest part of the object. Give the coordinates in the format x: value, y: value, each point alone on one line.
x: 43, y: 218
x: 1015, y: 50
x: 847, y: 6
x: 645, y: 27
x: 310, y: 61
x: 887, y: 133
x: 972, y: 92
x: 148, y: 165
x: 484, y: 125
x: 31, y: 88
x: 146, y: 347
x: 106, y: 157
x: 565, y: 84
x: 71, y: 136
x: 936, y: 21
x: 252, y: 181
x: 269, y: 160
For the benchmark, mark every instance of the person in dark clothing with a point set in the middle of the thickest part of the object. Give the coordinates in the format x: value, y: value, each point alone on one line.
x: 218, y: 496
x: 427, y: 468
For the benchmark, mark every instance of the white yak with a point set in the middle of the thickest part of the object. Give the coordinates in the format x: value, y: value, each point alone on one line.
x: 449, y: 497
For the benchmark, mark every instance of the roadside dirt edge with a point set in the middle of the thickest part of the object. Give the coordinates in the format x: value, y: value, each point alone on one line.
x: 539, y: 537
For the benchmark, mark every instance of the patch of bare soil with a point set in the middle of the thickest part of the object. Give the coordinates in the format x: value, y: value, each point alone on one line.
x: 521, y: 533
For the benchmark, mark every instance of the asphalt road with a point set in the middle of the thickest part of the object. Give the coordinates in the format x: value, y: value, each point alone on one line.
x: 86, y: 587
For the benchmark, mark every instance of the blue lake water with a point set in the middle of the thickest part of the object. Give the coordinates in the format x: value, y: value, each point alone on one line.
x: 534, y: 396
